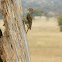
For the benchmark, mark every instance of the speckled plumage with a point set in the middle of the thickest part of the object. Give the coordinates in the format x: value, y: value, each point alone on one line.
x: 27, y: 18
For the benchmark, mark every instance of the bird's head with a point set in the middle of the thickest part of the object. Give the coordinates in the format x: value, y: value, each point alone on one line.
x: 31, y: 10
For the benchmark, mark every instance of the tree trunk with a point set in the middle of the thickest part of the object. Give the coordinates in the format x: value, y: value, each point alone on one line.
x: 14, y: 41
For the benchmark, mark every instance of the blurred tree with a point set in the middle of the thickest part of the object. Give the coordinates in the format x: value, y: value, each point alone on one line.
x: 38, y: 12
x: 60, y: 22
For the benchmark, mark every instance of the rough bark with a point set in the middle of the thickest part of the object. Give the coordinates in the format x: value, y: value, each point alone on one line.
x: 14, y: 40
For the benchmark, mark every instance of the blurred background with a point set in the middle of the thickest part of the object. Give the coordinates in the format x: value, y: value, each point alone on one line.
x: 45, y: 38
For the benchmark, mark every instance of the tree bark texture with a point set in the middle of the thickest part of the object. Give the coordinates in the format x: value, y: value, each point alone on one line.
x: 14, y: 42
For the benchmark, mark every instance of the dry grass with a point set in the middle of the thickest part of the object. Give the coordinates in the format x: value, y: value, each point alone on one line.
x: 45, y: 41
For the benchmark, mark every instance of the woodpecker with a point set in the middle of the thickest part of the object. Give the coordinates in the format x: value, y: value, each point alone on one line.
x: 27, y: 18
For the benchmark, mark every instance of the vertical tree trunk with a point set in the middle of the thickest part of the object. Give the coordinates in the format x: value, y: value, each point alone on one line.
x: 14, y: 41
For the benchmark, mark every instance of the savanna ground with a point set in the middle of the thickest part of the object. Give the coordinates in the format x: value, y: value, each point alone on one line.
x: 45, y: 40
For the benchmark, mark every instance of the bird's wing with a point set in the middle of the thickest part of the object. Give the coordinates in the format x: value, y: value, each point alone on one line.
x: 29, y: 18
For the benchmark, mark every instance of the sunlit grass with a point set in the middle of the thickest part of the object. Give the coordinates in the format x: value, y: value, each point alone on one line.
x: 45, y: 42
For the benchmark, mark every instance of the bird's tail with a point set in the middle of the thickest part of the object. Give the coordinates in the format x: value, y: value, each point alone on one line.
x: 28, y: 29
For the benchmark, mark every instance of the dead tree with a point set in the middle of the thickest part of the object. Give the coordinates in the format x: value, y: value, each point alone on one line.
x: 13, y: 45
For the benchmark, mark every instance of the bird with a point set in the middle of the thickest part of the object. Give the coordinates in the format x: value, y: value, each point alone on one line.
x: 27, y: 18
